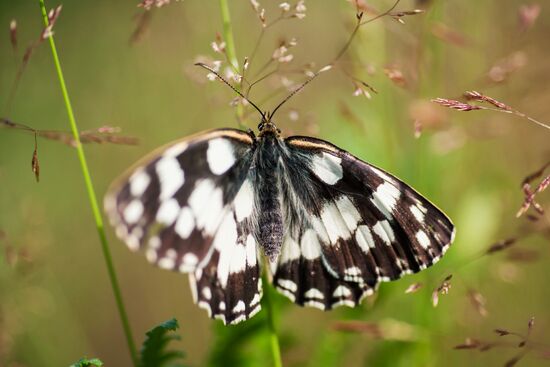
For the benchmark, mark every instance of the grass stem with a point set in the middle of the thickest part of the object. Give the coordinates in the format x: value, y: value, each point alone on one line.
x: 92, y: 196
x: 268, y: 306
x: 230, y: 49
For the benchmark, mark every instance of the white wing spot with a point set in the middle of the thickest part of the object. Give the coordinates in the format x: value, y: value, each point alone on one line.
x: 314, y: 293
x: 421, y: 207
x: 132, y: 243
x: 287, y: 293
x: 139, y: 182
x: 168, y: 212
x: 171, y: 253
x: 241, y: 318
x: 319, y: 228
x: 364, y: 239
x: 206, y: 293
x: 254, y: 311
x: 239, y: 307
x: 344, y: 302
x: 287, y: 284
x: 166, y: 263
x: 353, y: 272
x: 334, y: 223
x: 250, y: 250
x: 151, y: 255
x: 185, y: 223
x: 244, y: 201
x: 290, y: 250
x: 315, y: 304
x: 170, y: 175
x: 238, y: 259
x: 133, y: 211
x: 349, y: 212
x: 341, y: 291
x: 255, y: 300
x: 423, y: 239
x: 327, y: 167
x: 137, y: 232
x: 154, y: 242
x: 220, y: 155
x: 389, y: 230
x: 385, y: 198
x: 121, y: 231
x: 418, y: 214
x: 225, y: 242
x: 380, y: 229
x: 206, y: 202
x: 310, y: 246
x: 188, y: 262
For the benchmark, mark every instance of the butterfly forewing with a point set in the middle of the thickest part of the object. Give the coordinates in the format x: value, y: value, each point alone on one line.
x: 363, y: 226
x: 188, y: 207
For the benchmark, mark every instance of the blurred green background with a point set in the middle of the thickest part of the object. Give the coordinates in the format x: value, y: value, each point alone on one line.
x: 56, y: 304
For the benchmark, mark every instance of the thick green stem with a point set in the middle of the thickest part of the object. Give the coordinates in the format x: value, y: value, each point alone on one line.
x: 273, y: 339
x: 92, y: 196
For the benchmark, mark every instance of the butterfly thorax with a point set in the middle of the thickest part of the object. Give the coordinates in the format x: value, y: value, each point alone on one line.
x: 269, y: 231
x: 268, y: 127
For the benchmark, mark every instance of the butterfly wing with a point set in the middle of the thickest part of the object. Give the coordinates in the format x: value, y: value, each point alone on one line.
x: 188, y: 206
x: 351, y: 225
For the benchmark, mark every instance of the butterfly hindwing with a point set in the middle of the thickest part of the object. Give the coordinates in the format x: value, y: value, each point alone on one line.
x: 302, y: 276
x: 228, y: 286
x: 369, y: 226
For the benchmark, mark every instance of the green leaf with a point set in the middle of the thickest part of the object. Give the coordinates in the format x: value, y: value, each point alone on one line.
x: 154, y: 351
x: 85, y: 362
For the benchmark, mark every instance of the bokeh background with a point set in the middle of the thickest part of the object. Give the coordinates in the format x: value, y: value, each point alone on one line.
x: 56, y: 304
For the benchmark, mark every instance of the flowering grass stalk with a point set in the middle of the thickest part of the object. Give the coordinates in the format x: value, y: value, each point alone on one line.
x: 481, y: 98
x: 91, y: 194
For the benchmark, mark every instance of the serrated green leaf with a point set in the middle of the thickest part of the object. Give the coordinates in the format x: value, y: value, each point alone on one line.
x: 153, y: 350
x: 85, y: 362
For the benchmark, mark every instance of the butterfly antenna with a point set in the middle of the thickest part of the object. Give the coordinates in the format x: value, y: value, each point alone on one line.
x: 230, y: 86
x: 328, y: 67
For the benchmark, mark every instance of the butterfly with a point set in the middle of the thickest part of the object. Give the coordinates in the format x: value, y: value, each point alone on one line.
x: 328, y: 226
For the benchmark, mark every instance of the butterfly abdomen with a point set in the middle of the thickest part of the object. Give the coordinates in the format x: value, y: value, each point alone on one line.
x: 270, y: 220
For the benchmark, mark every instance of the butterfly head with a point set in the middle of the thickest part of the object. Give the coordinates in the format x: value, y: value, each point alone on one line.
x: 266, y: 126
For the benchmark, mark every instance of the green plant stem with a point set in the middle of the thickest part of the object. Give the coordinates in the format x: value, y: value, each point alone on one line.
x: 273, y: 339
x: 228, y: 35
x: 230, y: 48
x: 92, y: 197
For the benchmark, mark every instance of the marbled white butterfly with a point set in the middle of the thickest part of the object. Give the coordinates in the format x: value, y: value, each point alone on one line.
x: 331, y: 226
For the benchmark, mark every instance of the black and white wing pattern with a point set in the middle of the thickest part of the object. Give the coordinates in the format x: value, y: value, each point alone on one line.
x: 331, y: 226
x: 349, y: 226
x: 188, y: 206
